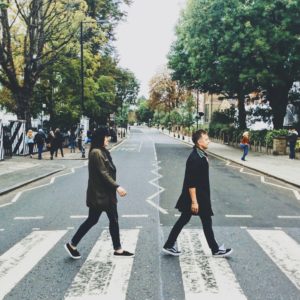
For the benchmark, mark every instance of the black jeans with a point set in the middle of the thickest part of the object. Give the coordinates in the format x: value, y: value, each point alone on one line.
x: 92, y: 220
x: 183, y: 220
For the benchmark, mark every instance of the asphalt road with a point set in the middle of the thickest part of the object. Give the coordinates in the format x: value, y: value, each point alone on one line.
x: 253, y: 217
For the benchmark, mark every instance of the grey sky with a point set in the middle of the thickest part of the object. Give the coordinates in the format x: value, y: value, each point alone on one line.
x: 144, y: 40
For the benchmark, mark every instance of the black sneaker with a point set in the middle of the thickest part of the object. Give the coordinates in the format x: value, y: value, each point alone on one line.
x: 222, y: 252
x: 72, y: 252
x: 171, y: 251
x: 124, y: 254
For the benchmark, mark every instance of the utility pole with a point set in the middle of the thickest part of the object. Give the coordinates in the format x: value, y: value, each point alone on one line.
x: 81, y: 67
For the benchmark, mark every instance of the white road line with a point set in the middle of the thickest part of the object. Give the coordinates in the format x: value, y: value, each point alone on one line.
x: 141, y: 144
x: 205, y: 277
x: 36, y: 229
x: 162, y: 210
x: 288, y: 217
x: 263, y: 180
x: 103, y: 276
x: 2, y: 229
x: 282, y: 250
x: 243, y: 227
x: 134, y: 216
x: 6, y: 204
x: 79, y: 217
x: 70, y: 228
x: 160, y: 189
x: 21, y: 258
x: 278, y: 228
x: 238, y: 216
x: 17, y: 196
x: 296, y: 193
x: 29, y: 218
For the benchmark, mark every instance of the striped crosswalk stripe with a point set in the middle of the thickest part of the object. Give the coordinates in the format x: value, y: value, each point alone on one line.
x: 22, y: 257
x: 104, y: 276
x: 283, y: 251
x: 203, y: 276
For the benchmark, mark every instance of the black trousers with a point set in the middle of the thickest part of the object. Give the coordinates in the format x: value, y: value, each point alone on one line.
x: 183, y: 220
x: 93, y: 219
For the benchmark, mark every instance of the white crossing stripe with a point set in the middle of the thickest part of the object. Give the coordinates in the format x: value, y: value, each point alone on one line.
x: 134, y: 216
x: 104, y: 276
x: 22, y: 257
x: 288, y: 217
x: 238, y: 216
x: 283, y: 251
x: 205, y: 277
x: 29, y: 218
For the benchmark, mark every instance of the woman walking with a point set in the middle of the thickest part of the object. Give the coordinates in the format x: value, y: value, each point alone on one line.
x: 245, y: 145
x: 30, y: 141
x: 101, y: 195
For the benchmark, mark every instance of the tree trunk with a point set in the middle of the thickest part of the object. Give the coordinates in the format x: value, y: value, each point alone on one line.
x: 278, y: 98
x: 23, y: 99
x: 242, y: 111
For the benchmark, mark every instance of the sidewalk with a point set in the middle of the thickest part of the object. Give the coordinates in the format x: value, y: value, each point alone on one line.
x: 279, y: 167
x: 21, y: 170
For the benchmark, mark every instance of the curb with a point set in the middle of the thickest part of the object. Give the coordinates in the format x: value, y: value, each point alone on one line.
x: 18, y: 185
x: 240, y: 164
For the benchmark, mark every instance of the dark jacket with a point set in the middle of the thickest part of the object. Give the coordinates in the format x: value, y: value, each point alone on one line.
x: 101, y: 191
x: 196, y: 176
x: 39, y: 138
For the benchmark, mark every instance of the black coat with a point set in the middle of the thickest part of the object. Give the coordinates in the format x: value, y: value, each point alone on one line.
x: 101, y: 191
x: 196, y: 176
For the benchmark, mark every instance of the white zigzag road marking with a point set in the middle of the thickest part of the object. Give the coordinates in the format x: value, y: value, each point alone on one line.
x: 160, y: 189
x: 18, y: 195
x: 263, y: 180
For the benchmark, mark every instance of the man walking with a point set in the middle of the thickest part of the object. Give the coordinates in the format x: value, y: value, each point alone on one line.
x: 195, y: 198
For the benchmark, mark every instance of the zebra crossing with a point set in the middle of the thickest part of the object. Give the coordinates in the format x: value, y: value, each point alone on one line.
x: 103, y: 276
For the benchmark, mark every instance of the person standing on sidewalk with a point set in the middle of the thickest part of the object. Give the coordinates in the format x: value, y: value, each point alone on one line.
x: 292, y: 139
x: 39, y: 139
x: 195, y: 198
x: 50, y: 143
x: 58, y: 142
x: 80, y: 143
x: 101, y: 195
x: 30, y: 141
x: 245, y: 142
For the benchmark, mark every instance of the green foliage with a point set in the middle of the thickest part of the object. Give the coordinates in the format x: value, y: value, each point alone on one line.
x: 224, y: 117
x: 235, y: 47
x: 273, y: 134
x: 143, y: 112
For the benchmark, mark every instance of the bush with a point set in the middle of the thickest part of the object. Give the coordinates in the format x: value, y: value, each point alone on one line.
x: 273, y: 134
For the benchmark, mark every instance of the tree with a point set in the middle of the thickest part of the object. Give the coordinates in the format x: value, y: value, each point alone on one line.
x: 165, y: 94
x: 143, y: 112
x: 277, y: 50
x: 236, y: 47
x: 127, y: 87
x: 33, y: 34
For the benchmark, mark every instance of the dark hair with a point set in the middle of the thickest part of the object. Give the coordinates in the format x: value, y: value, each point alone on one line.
x: 197, y: 135
x: 98, y: 138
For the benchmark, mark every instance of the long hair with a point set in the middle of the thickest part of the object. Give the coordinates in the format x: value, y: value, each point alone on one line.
x: 98, y: 138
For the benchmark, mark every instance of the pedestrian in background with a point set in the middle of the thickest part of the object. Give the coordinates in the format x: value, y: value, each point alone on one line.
x: 72, y: 140
x: 292, y: 140
x: 195, y: 198
x: 50, y: 143
x: 30, y: 141
x: 245, y: 142
x: 80, y: 142
x: 101, y: 194
x: 58, y: 142
x: 39, y: 139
